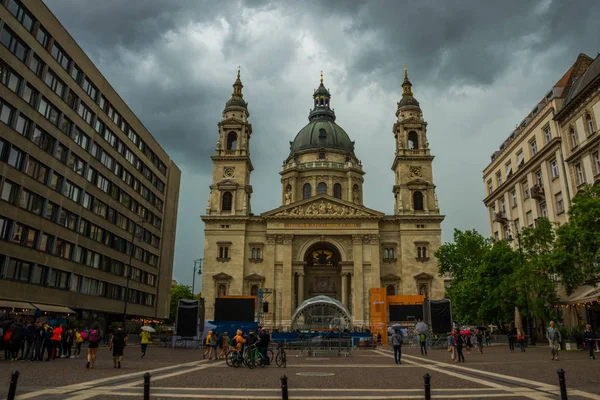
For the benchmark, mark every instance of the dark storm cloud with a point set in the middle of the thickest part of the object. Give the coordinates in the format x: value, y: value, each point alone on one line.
x: 477, y: 67
x: 470, y: 42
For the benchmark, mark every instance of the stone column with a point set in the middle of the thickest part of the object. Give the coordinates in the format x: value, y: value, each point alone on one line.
x: 344, y: 290
x: 358, y: 303
x: 300, y: 288
x: 269, y: 261
x: 287, y: 281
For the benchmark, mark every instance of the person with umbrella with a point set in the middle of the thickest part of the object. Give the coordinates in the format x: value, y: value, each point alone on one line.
x: 422, y: 328
x: 146, y: 338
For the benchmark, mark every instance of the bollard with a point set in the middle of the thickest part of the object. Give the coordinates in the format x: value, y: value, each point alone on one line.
x: 147, y: 386
x: 427, y: 379
x: 284, y: 388
x: 12, y: 390
x: 562, y: 383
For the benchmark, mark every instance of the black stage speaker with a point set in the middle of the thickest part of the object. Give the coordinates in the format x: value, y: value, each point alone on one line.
x: 441, y: 316
x: 187, y: 318
x: 234, y: 309
x: 266, y: 306
x: 201, y: 312
x: 406, y: 312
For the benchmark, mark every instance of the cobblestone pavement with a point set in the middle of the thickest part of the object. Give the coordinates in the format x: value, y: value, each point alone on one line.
x: 366, y: 374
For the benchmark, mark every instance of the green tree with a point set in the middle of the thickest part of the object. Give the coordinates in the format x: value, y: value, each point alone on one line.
x: 497, y: 294
x: 178, y: 292
x: 462, y: 261
x: 577, y: 256
x: 535, y: 280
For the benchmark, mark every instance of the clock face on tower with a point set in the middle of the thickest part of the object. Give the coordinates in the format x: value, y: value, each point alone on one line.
x: 229, y: 173
x: 415, y: 171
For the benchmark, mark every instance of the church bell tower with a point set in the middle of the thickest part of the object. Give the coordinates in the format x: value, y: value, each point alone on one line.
x: 230, y: 190
x: 414, y: 191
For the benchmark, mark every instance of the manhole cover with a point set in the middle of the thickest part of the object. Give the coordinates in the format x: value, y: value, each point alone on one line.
x: 315, y: 373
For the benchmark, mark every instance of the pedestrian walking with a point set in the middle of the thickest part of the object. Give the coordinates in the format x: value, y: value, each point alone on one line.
x: 488, y: 338
x: 452, y: 344
x: 521, y: 341
x: 588, y: 340
x: 93, y: 340
x: 479, y: 341
x: 554, y: 339
x: 39, y: 336
x: 397, y: 340
x: 423, y: 343
x: 224, y: 345
x: 78, y: 343
x: 29, y: 341
x: 117, y: 344
x: 511, y: 340
x: 145, y: 341
x: 459, y: 347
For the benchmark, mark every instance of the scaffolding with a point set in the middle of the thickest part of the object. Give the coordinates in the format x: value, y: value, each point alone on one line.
x: 266, y: 312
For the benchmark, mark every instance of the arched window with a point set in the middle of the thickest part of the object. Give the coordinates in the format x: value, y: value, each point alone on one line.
x: 337, y: 191
x: 322, y: 188
x: 222, y: 291
x: 254, y: 290
x: 413, y: 140
x: 226, y: 201
x: 386, y: 254
x: 306, y: 191
x: 231, y: 141
x: 590, y: 124
x: 573, y: 137
x: 418, y: 201
x: 390, y: 290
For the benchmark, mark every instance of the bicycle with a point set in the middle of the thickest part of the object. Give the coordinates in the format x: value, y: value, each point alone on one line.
x: 252, y: 357
x: 281, y: 358
x: 234, y: 358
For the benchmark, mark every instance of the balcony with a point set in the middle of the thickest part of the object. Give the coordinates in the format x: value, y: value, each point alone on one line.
x: 500, y: 217
x: 537, y: 192
x: 321, y: 164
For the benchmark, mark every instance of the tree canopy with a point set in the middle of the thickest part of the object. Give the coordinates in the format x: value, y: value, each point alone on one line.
x: 178, y: 292
x: 490, y: 278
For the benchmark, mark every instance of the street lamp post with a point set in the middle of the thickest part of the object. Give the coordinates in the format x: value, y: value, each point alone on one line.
x: 199, y: 262
x: 509, y: 238
x: 141, y: 222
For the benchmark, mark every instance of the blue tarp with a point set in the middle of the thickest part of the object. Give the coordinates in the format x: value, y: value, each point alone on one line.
x: 231, y: 327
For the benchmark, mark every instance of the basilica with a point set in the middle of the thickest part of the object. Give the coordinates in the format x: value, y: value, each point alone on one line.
x: 322, y: 240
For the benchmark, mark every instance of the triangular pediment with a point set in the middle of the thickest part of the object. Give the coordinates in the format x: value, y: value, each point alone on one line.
x: 423, y: 276
x: 222, y: 276
x: 390, y: 277
x: 254, y: 277
x: 323, y: 206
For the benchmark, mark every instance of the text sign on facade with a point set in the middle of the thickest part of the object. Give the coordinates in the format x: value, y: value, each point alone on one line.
x: 322, y: 226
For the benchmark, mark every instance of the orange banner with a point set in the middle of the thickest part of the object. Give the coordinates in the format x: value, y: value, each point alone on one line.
x: 379, y: 309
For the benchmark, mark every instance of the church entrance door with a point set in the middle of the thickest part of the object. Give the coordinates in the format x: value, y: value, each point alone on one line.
x: 323, y: 272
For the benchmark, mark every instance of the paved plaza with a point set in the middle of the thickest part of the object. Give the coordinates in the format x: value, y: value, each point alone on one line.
x: 366, y: 374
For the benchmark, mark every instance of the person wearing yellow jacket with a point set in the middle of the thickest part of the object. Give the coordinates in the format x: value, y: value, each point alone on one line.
x: 78, y: 343
x: 146, y: 339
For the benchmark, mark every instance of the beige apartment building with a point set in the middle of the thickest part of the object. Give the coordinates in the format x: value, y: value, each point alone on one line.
x: 86, y: 193
x: 528, y: 177
x: 578, y: 121
x: 322, y: 240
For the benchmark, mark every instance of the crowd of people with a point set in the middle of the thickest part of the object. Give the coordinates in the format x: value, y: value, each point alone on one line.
x: 29, y: 341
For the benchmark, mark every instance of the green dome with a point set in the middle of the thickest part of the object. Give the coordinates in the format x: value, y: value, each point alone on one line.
x: 322, y: 133
x: 236, y: 101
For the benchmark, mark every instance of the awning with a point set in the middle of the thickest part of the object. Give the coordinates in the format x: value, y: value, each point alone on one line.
x: 54, y: 309
x: 16, y: 305
x: 582, y: 294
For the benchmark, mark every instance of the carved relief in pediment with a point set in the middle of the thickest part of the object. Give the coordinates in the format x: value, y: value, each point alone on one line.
x: 323, y: 209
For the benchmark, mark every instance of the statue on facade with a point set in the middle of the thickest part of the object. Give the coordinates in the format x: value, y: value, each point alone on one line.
x: 356, y: 196
x: 288, y: 196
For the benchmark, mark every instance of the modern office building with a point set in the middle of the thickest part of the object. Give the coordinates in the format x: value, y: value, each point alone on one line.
x: 528, y: 177
x: 87, y: 194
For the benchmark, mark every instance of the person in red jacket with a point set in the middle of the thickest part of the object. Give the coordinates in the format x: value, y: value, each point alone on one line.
x: 56, y: 336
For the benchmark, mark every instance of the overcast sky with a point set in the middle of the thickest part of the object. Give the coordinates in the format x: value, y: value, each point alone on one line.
x: 476, y: 70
